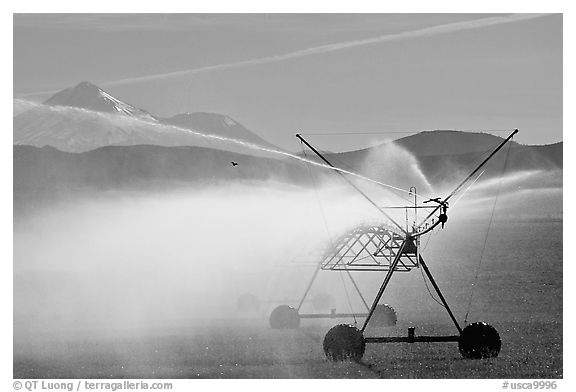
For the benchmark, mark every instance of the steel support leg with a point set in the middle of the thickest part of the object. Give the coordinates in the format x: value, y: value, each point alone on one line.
x: 309, y: 286
x: 439, y: 294
x: 357, y: 290
x: 384, y: 284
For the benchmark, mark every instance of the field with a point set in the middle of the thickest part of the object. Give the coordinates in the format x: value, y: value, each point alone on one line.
x: 519, y: 292
x: 248, y: 349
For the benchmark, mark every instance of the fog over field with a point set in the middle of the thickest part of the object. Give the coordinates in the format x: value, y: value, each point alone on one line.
x: 131, y: 261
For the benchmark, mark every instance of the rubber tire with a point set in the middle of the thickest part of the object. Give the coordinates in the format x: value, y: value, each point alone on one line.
x: 384, y: 316
x: 478, y: 341
x: 284, y: 317
x: 344, y: 342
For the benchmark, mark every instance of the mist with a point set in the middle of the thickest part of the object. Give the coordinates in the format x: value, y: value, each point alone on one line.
x: 393, y: 164
x: 126, y: 261
x: 132, y: 261
x: 521, y: 195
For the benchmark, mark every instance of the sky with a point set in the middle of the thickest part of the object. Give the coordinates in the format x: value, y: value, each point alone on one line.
x: 279, y: 74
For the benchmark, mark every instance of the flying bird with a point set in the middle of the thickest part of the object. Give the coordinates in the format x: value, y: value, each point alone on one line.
x: 234, y: 163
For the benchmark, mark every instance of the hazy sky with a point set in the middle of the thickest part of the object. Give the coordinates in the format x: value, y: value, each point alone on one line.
x: 282, y: 74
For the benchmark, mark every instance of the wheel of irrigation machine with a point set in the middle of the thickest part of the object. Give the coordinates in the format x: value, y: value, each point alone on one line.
x: 343, y: 342
x: 284, y: 317
x: 384, y: 316
x: 248, y: 303
x: 479, y: 340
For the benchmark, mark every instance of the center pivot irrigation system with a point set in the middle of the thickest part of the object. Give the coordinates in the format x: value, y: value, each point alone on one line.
x: 388, y: 247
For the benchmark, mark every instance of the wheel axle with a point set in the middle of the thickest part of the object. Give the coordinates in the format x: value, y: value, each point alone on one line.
x: 477, y: 341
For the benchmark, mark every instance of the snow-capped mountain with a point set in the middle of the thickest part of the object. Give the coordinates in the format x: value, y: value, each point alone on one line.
x: 85, y: 117
x: 88, y: 96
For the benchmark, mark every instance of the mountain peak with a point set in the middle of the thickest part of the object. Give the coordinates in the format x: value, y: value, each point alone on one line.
x: 86, y: 85
x: 86, y: 95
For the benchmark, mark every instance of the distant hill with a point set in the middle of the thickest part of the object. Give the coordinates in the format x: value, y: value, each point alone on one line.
x: 85, y: 117
x: 44, y: 174
x: 448, y: 142
x: 47, y: 173
x: 427, y: 160
x: 445, y: 157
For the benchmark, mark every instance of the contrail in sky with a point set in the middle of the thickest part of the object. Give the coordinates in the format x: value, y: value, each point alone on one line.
x: 425, y: 32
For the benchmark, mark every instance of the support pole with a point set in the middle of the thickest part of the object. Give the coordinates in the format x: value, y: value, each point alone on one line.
x: 309, y: 286
x: 466, y: 179
x: 357, y: 289
x: 384, y: 284
x: 350, y: 182
x: 439, y: 294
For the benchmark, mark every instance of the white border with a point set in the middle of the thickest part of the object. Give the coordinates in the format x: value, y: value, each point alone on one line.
x: 249, y: 6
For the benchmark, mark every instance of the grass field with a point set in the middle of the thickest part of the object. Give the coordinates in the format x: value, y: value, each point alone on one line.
x: 519, y: 292
x: 249, y: 349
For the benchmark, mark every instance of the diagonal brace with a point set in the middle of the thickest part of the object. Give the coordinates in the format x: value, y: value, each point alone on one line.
x: 440, y: 294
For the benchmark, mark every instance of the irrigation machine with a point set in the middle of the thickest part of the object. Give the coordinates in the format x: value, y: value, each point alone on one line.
x: 388, y: 247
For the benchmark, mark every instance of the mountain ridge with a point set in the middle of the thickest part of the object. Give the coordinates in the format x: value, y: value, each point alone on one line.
x: 48, y: 174
x: 85, y: 117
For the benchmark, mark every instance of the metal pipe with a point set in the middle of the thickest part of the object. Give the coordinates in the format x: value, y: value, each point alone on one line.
x: 407, y: 207
x: 357, y: 289
x: 415, y: 205
x: 350, y: 182
x: 414, y: 339
x: 309, y: 286
x: 384, y: 284
x: 414, y: 235
x: 467, y: 178
x: 440, y: 294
